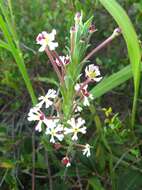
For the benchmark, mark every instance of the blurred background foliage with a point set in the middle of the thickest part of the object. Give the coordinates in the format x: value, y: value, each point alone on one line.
x: 105, y: 170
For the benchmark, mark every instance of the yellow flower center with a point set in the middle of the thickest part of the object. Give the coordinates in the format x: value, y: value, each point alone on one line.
x: 53, y: 132
x: 47, y: 40
x: 91, y: 74
x: 75, y: 130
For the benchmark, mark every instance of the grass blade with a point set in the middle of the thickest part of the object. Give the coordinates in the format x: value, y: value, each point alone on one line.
x: 131, y: 39
x: 4, y: 45
x: 113, y: 81
x: 12, y: 45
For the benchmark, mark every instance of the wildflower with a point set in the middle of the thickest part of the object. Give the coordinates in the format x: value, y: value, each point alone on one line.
x: 46, y: 39
x: 93, y: 73
x: 78, y: 109
x: 78, y: 18
x: 86, y: 95
x: 55, y: 130
x: 76, y: 127
x: 36, y: 115
x: 108, y: 111
x: 51, y: 94
x: 64, y: 60
x: 86, y: 150
x: 66, y: 161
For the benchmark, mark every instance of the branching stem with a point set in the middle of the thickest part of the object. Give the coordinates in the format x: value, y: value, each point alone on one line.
x: 116, y: 33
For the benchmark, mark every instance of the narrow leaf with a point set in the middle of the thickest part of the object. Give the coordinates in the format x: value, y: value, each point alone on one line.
x: 131, y: 39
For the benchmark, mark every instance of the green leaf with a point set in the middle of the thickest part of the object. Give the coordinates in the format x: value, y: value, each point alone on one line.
x: 131, y: 39
x: 113, y: 81
x: 129, y: 34
x: 132, y: 180
x: 4, y: 45
x: 95, y: 183
x: 9, y: 34
x: 47, y: 80
x: 7, y: 164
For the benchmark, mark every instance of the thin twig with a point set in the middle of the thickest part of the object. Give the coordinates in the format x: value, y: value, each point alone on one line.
x: 79, y: 179
x: 49, y: 171
x: 33, y: 160
x: 22, y: 45
x: 3, y: 178
x: 36, y: 176
x: 124, y: 154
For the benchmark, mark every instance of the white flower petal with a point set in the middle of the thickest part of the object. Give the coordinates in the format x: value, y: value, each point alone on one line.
x: 74, y: 137
x: 80, y: 122
x: 60, y: 137
x: 67, y: 130
x: 52, y: 140
x: 77, y: 87
x: 38, y: 126
x: 42, y: 48
x: 53, y: 45
x: 82, y: 130
x: 71, y: 122
x: 86, y: 150
x: 98, y: 79
x: 86, y: 101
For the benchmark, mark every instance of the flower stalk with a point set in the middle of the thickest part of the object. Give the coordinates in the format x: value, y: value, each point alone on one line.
x: 49, y: 54
x: 115, y: 34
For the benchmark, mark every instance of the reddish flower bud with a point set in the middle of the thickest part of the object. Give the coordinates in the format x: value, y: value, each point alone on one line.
x: 85, y: 92
x: 92, y: 28
x: 66, y: 161
x: 42, y: 117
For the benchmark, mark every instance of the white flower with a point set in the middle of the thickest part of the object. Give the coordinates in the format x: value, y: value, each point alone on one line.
x: 54, y: 129
x: 86, y: 150
x: 76, y: 127
x: 77, y: 87
x: 51, y: 94
x: 64, y: 60
x: 86, y: 95
x: 46, y: 39
x: 78, y: 109
x: 93, y: 72
x: 36, y: 115
x: 87, y: 99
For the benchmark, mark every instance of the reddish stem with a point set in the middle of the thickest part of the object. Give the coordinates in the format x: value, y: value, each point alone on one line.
x: 55, y: 54
x: 116, y: 33
x: 49, y: 54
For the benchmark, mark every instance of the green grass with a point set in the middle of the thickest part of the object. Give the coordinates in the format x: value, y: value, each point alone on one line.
x: 133, y: 47
x: 11, y: 43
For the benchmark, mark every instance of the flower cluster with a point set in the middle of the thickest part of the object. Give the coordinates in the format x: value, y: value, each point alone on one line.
x: 61, y: 127
x: 53, y: 126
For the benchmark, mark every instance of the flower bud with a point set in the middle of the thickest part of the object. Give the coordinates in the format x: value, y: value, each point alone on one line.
x: 66, y: 161
x: 73, y: 29
x: 92, y: 28
x: 117, y: 32
x: 78, y: 18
